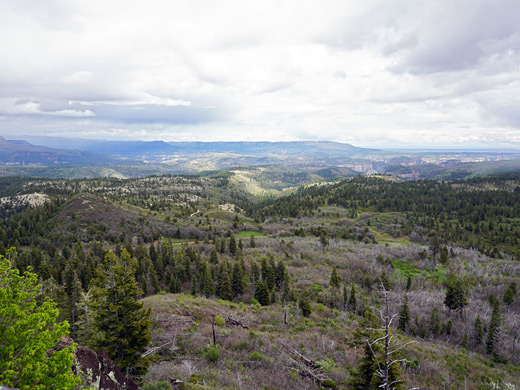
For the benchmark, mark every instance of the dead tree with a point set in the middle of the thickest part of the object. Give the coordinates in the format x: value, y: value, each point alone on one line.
x: 391, y: 347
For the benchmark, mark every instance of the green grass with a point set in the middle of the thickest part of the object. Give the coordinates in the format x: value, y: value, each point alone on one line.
x: 385, y: 238
x: 249, y: 233
x: 406, y: 269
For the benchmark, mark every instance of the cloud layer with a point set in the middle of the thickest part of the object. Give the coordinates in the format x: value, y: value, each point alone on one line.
x: 372, y: 73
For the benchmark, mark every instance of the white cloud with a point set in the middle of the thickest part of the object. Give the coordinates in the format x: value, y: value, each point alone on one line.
x: 369, y: 73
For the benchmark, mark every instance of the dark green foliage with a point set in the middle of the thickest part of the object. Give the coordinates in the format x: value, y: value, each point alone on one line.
x: 352, y: 301
x: 213, y: 257
x: 404, y: 315
x: 175, y: 285
x: 232, y: 246
x: 362, y: 377
x: 280, y: 274
x: 268, y: 273
x: 255, y: 272
x: 434, y: 323
x: 444, y: 256
x: 494, y: 329
x: 455, y: 298
x: 510, y: 293
x: 122, y: 324
x: 226, y: 287
x: 238, y: 280
x: 252, y: 243
x: 335, y: 279
x: 305, y: 306
x: 262, y: 293
x: 479, y: 332
x: 408, y: 283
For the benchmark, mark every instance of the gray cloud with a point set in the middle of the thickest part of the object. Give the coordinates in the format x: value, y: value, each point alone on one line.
x: 368, y: 73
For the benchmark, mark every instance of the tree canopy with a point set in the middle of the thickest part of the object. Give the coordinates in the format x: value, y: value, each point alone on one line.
x: 28, y: 332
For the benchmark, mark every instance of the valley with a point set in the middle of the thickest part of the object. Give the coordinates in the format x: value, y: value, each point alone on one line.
x: 204, y: 244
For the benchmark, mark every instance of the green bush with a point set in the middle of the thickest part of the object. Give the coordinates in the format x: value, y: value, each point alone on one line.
x: 256, y: 356
x: 212, y: 352
x: 157, y: 386
x: 330, y: 384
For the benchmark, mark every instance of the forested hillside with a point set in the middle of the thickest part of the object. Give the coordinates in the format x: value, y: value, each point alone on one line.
x: 232, y: 289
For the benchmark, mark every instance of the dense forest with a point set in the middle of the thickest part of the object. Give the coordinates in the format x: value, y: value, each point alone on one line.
x: 301, y: 290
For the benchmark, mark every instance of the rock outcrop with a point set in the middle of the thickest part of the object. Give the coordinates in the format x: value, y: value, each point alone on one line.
x: 99, y: 372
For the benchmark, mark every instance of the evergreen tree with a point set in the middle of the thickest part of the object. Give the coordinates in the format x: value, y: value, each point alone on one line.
x: 408, y: 283
x: 226, y: 289
x: 262, y: 293
x: 252, y: 243
x: 280, y: 273
x: 494, y: 328
x: 444, y: 256
x: 404, y: 315
x: 479, y: 332
x: 237, y: 280
x: 455, y: 298
x: 255, y: 272
x: 509, y: 294
x: 213, y: 257
x: 122, y: 325
x: 268, y: 274
x: 352, y: 301
x: 175, y: 285
x: 435, y: 322
x: 335, y: 280
x: 305, y: 306
x: 232, y: 246
x: 363, y: 376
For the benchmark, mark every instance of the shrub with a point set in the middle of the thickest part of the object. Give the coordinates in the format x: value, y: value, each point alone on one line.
x: 212, y: 352
x: 157, y: 386
x: 256, y: 356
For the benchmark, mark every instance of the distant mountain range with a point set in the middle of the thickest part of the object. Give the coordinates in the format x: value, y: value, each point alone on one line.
x: 44, y: 156
x: 20, y: 152
x: 156, y: 148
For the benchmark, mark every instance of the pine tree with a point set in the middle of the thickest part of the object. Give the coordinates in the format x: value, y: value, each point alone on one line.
x: 175, y: 285
x: 305, y: 306
x: 361, y: 379
x: 352, y: 301
x: 255, y: 272
x: 262, y: 293
x: 252, y: 243
x: 479, y: 332
x: 237, y: 280
x: 280, y: 273
x: 509, y: 294
x: 232, y: 246
x: 213, y: 257
x: 455, y: 298
x: 435, y: 322
x: 444, y: 256
x: 122, y: 325
x: 226, y: 288
x: 404, y: 315
x: 335, y: 280
x: 408, y: 283
x: 494, y: 327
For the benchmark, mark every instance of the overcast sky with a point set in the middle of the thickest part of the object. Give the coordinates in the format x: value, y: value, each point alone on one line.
x: 371, y: 73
